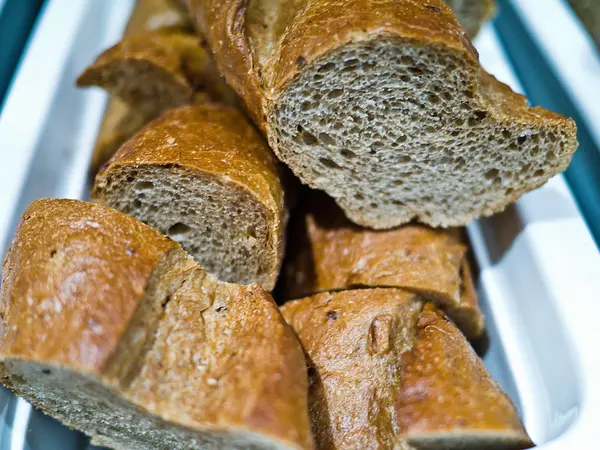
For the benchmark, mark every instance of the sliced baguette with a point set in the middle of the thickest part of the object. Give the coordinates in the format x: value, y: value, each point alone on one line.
x: 157, y: 70
x: 387, y: 371
x: 202, y: 175
x: 120, y: 119
x: 111, y: 328
x: 472, y: 13
x: 330, y: 253
x: 384, y: 106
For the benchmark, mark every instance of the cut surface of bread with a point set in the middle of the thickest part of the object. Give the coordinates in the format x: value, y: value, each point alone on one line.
x: 329, y: 253
x: 113, y: 329
x: 157, y: 70
x: 472, y: 13
x: 202, y: 175
x: 389, y: 111
x: 388, y: 371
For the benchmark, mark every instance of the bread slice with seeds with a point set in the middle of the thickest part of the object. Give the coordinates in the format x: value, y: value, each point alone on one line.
x: 387, y: 371
x: 472, y: 13
x: 384, y: 106
x: 327, y: 252
x: 113, y: 329
x: 203, y: 175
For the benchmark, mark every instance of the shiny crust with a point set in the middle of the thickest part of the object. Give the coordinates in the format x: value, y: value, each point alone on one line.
x: 211, y: 139
x: 61, y: 302
x: 294, y: 37
x: 329, y: 253
x: 455, y: 396
x: 374, y: 351
x: 74, y: 276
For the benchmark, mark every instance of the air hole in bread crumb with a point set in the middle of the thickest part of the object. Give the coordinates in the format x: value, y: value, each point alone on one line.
x: 178, y: 230
x: 329, y: 163
x: 251, y: 232
x: 308, y: 138
x: 333, y: 315
x: 521, y: 140
x: 326, y: 139
x: 143, y: 185
x: 347, y: 153
x: 52, y: 253
x: 335, y: 93
x: 137, y: 203
x: 407, y: 60
x: 359, y: 196
x: 46, y: 371
x: 507, y: 134
x: 538, y: 173
x: 491, y: 174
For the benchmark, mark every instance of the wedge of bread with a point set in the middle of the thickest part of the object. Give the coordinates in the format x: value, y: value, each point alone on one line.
x: 472, y: 13
x: 202, y: 175
x: 387, y: 371
x: 113, y: 329
x: 120, y: 119
x: 157, y: 70
x: 327, y: 252
x: 384, y: 106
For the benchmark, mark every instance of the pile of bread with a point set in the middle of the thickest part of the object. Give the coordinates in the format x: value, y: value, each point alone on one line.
x: 145, y: 318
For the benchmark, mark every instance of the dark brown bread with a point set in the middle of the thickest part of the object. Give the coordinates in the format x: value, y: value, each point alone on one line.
x: 110, y: 327
x: 203, y: 175
x: 330, y: 253
x: 390, y: 372
x: 383, y: 105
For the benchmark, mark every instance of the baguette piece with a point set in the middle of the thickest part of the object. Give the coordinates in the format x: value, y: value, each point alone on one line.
x: 384, y: 106
x: 113, y: 329
x: 202, y: 175
x: 158, y: 70
x: 330, y: 253
x: 472, y: 13
x: 120, y: 119
x: 387, y: 371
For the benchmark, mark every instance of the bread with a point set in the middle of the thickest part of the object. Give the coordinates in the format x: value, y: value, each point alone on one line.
x: 120, y: 119
x: 472, y: 13
x: 588, y: 12
x: 157, y: 70
x: 202, y: 175
x: 387, y: 371
x: 111, y: 328
x: 330, y: 253
x: 384, y: 105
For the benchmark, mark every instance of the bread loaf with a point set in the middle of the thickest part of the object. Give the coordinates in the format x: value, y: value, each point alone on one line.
x: 120, y: 119
x: 472, y: 13
x: 384, y: 105
x: 202, y: 175
x: 387, y: 371
x: 111, y: 328
x: 157, y: 70
x: 330, y: 253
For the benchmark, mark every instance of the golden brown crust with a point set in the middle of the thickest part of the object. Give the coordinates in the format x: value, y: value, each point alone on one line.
x: 154, y: 14
x: 354, y: 341
x: 222, y: 358
x: 295, y: 37
x: 457, y: 395
x: 330, y: 254
x: 211, y: 139
x: 60, y: 302
x: 381, y: 365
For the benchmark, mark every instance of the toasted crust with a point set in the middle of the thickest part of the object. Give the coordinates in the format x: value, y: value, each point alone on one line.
x: 330, y: 253
x: 216, y: 140
x: 263, y: 47
x: 382, y: 362
x: 220, y: 358
x: 58, y: 282
x: 457, y: 396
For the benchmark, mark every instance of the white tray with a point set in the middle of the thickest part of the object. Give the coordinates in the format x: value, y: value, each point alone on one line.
x: 539, y: 267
